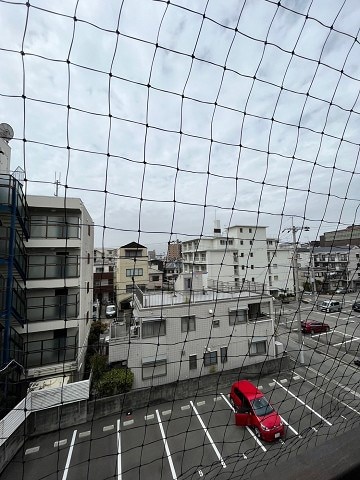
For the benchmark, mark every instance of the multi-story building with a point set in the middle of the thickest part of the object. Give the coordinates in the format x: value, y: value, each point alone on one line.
x: 179, y: 335
x: 236, y: 258
x: 346, y: 236
x: 280, y: 272
x: 59, y: 286
x: 174, y: 251
x: 132, y: 267
x: 14, y: 232
x: 331, y: 268
x: 104, y: 272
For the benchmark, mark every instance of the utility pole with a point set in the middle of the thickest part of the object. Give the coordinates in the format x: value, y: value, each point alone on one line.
x: 294, y: 229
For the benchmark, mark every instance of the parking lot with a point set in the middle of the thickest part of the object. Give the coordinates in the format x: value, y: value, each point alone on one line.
x: 196, y: 437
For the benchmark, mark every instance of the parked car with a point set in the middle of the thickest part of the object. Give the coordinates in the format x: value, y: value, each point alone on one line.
x: 341, y: 290
x: 314, y: 327
x: 330, y: 306
x: 253, y: 410
x: 110, y: 311
x: 357, y: 362
x: 356, y: 306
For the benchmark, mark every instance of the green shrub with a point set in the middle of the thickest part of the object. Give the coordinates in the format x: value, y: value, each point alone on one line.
x: 99, y: 366
x: 115, y: 381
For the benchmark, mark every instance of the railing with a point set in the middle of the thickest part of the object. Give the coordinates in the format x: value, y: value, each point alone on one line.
x: 46, y: 352
x: 8, y: 184
x: 40, y: 400
x: 52, y: 266
x: 52, y: 307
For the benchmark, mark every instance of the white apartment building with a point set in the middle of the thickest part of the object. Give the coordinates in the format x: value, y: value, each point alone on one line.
x: 59, y: 287
x: 180, y: 335
x: 280, y: 272
x: 236, y: 258
x: 104, y: 273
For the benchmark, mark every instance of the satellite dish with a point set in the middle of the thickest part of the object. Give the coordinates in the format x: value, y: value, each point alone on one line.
x: 6, y: 131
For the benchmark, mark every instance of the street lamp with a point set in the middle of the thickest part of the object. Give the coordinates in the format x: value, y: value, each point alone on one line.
x: 294, y: 229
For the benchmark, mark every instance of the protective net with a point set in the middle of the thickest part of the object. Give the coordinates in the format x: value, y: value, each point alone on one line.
x: 179, y: 215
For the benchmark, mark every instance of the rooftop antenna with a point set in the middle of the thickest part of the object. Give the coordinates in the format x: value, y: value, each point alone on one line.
x: 57, y: 183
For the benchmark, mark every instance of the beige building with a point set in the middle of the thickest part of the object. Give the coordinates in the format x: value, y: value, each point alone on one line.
x: 132, y: 267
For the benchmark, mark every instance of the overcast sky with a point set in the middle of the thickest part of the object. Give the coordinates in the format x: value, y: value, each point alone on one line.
x: 244, y: 111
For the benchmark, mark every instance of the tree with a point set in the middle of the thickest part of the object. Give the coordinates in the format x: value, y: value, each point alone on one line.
x: 98, y: 366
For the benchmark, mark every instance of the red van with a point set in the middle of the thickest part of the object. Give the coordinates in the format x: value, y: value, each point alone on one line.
x: 252, y: 409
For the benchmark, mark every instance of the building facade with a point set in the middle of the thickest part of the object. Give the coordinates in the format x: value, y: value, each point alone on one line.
x: 237, y: 258
x: 59, y: 287
x: 346, y: 236
x: 104, y: 273
x: 132, y: 267
x: 179, y: 335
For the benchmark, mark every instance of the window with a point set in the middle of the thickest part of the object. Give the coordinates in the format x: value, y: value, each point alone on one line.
x: 87, y: 287
x: 224, y: 354
x: 242, y: 267
x: 274, y: 265
x: 242, y: 254
x: 250, y: 230
x: 251, y: 254
x: 134, y: 272
x: 258, y: 347
x: 87, y: 317
x: 210, y: 358
x: 188, y: 323
x: 252, y: 267
x: 99, y: 270
x: 270, y: 242
x: 237, y: 316
x: 241, y: 230
x: 133, y: 253
x: 241, y: 242
x: 251, y: 242
x: 88, y: 258
x: 111, y: 269
x: 153, y: 368
x: 216, y: 323
x: 153, y: 328
x: 192, y: 362
x: 155, y: 278
x: 89, y: 230
x: 276, y: 277
x: 253, y: 279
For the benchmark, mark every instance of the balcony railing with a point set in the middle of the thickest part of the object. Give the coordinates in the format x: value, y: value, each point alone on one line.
x: 19, y: 253
x: 11, y: 195
x: 52, y: 307
x: 53, y: 266
x: 46, y: 352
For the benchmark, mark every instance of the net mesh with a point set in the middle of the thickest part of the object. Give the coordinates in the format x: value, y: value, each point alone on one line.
x: 164, y: 117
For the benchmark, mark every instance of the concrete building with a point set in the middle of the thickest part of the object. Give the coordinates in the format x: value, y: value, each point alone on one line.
x: 104, y: 273
x: 236, y: 258
x: 46, y: 245
x: 132, y: 267
x: 174, y: 251
x: 14, y: 232
x: 59, y: 287
x: 332, y: 267
x: 345, y: 236
x: 280, y: 271
x: 179, y: 335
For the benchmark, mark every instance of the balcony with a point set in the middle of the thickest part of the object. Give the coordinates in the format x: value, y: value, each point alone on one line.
x: 19, y: 250
x: 54, y: 307
x: 51, y: 351
x: 18, y: 300
x: 58, y: 266
x: 12, y: 201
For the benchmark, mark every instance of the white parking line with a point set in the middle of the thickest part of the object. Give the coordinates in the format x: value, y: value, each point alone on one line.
x: 200, y: 404
x: 60, y: 443
x: 330, y: 395
x: 149, y: 417
x: 68, y: 460
x: 248, y: 429
x: 303, y: 403
x: 185, y: 407
x: 172, y: 468
x: 128, y: 422
x: 354, y: 339
x: 118, y: 434
x: 348, y: 389
x: 108, y: 427
x: 166, y: 412
x: 289, y: 426
x: 221, y: 460
x: 84, y: 434
x: 32, y: 450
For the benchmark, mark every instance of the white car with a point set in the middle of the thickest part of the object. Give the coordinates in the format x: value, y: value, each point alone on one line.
x: 110, y: 311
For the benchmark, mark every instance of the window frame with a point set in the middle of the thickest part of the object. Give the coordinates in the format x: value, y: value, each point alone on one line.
x: 210, y: 358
